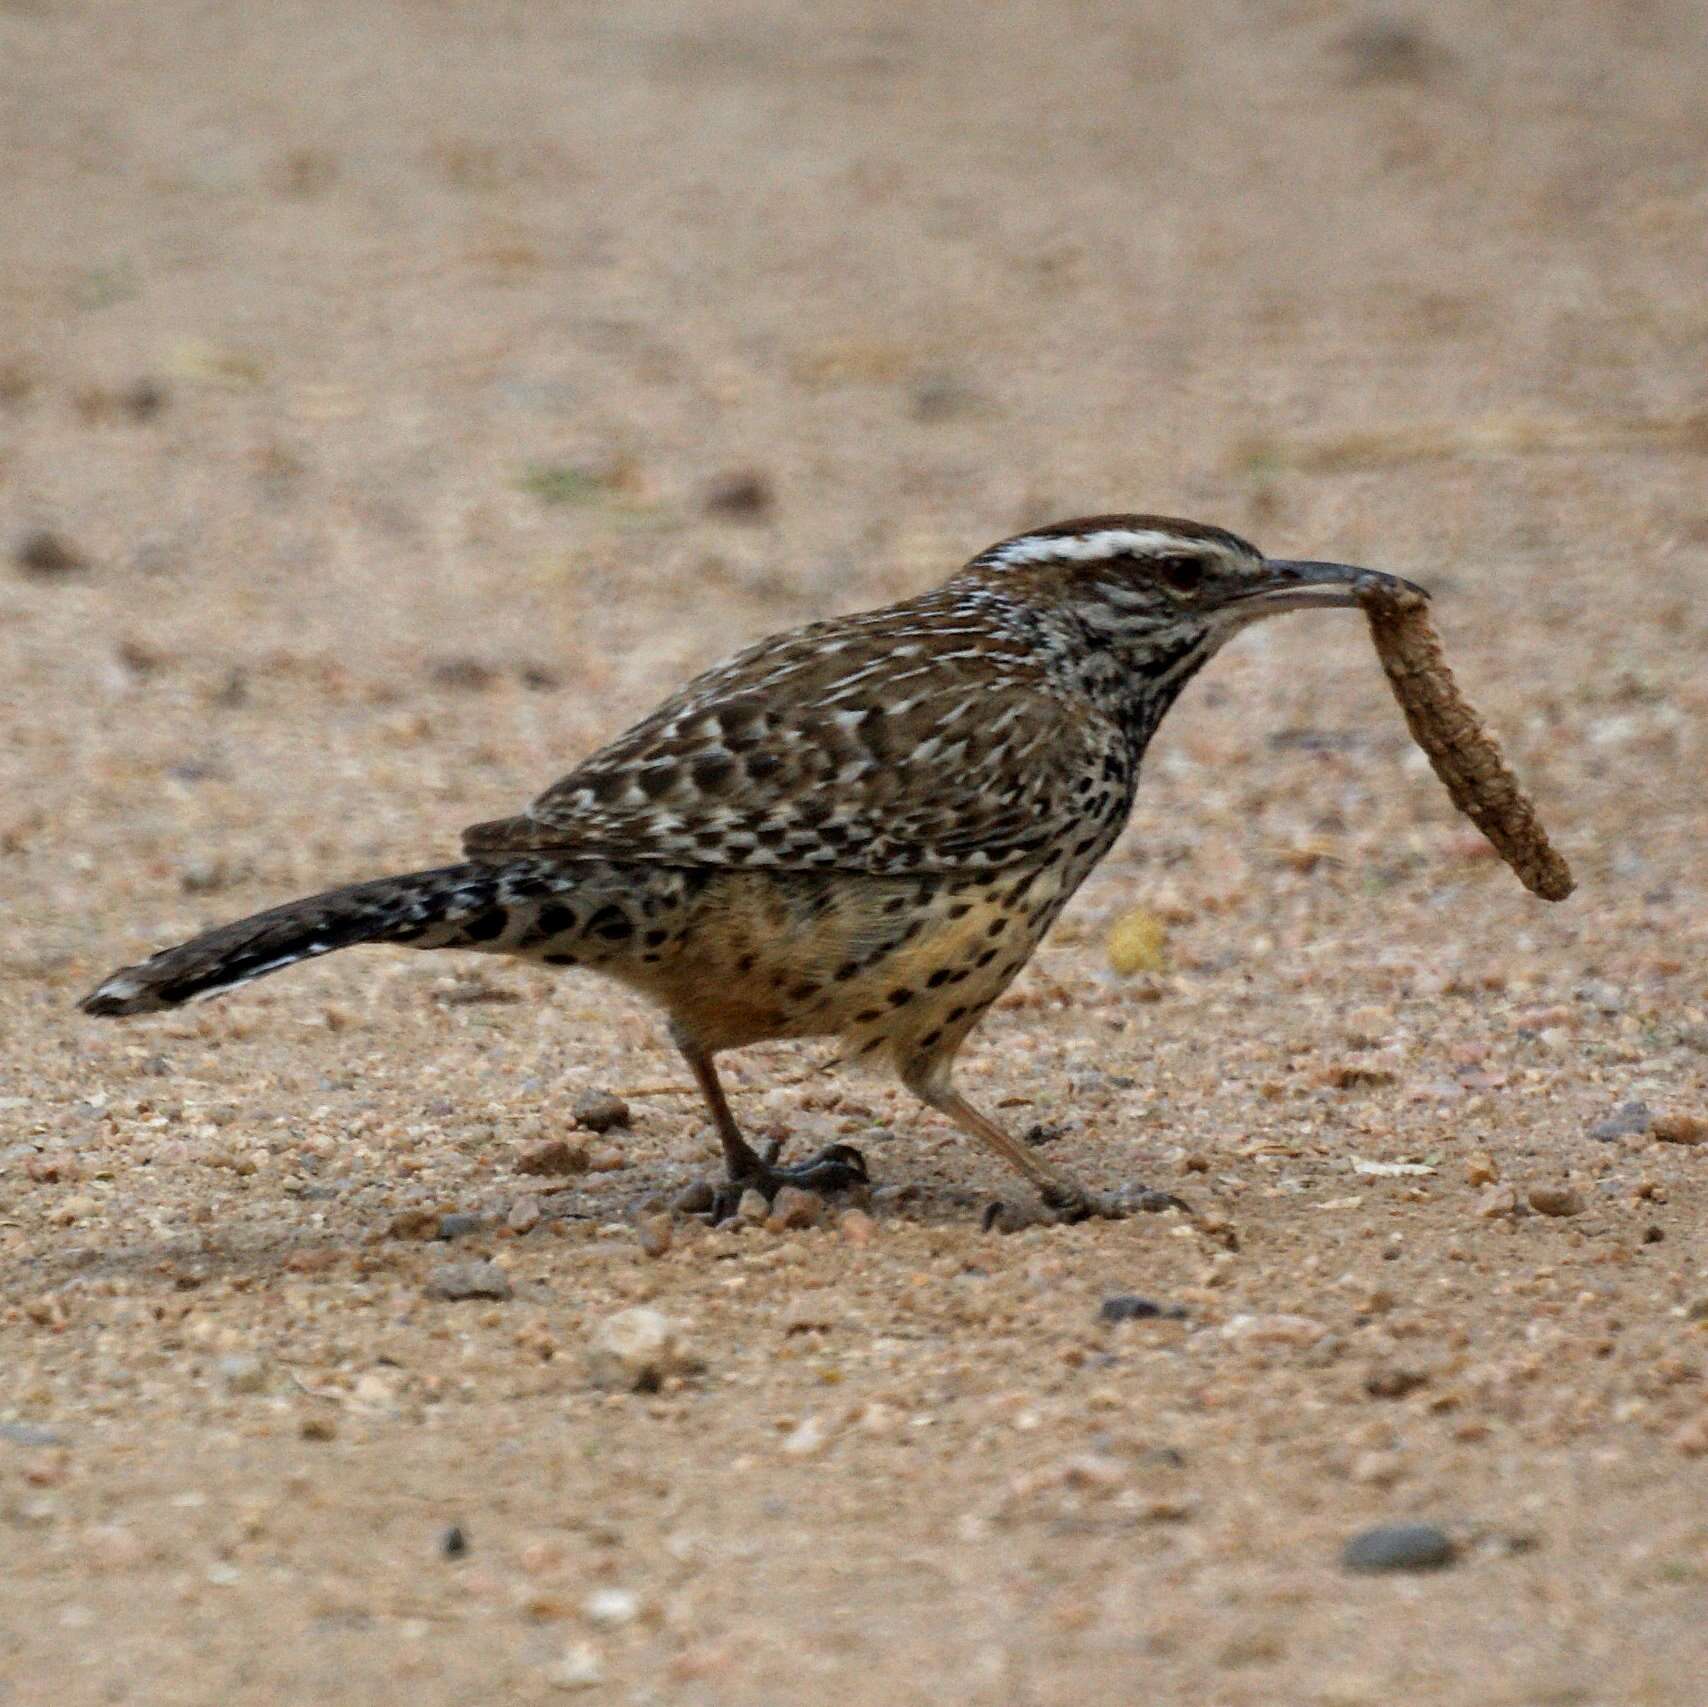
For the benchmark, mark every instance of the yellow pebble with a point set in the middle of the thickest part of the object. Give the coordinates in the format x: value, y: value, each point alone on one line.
x: 1138, y: 942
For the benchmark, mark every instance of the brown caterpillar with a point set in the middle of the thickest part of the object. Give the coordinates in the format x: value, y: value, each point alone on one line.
x: 1461, y: 750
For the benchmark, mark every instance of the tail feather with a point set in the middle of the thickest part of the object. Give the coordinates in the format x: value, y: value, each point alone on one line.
x: 428, y: 909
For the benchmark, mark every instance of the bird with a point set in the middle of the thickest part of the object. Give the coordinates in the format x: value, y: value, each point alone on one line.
x: 859, y: 829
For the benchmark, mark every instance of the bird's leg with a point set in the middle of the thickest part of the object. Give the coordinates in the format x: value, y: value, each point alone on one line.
x: 1060, y: 1191
x: 745, y: 1169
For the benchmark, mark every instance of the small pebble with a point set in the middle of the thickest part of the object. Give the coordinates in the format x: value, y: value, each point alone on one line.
x: 753, y: 1209
x: 552, y: 1156
x: 454, y: 1543
x: 807, y: 1439
x: 524, y: 1216
x: 1130, y: 1307
x: 1480, y: 1169
x: 599, y: 1111
x: 1555, y: 1200
x: 1394, y: 1381
x: 318, y: 1428
x: 456, y: 1280
x: 811, y: 1311
x: 1274, y: 1329
x: 458, y: 1225
x: 1681, y: 1128
x: 654, y: 1233
x: 635, y: 1349
x: 1496, y: 1202
x: 1137, y: 942
x: 44, y: 553
x: 794, y: 1207
x: 1628, y: 1120
x: 30, y: 1434
x: 611, y: 1607
x: 579, y: 1667
x: 1399, y: 1547
x: 695, y: 1199
x: 740, y: 495
x: 243, y: 1373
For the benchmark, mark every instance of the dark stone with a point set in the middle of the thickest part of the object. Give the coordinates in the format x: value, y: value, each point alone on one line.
x: 740, y: 495
x: 454, y: 1543
x: 599, y: 1111
x: 44, y: 553
x: 1130, y: 1307
x: 1628, y: 1120
x: 459, y: 1225
x: 1399, y: 1547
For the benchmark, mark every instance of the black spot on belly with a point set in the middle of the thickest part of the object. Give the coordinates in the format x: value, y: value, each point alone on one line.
x: 939, y: 978
x: 555, y: 919
x: 929, y: 1039
x: 560, y: 959
x: 611, y: 923
x: 486, y: 926
x: 656, y: 938
x: 899, y: 998
x: 866, y: 1015
x: 847, y: 970
x: 998, y: 926
x: 802, y: 992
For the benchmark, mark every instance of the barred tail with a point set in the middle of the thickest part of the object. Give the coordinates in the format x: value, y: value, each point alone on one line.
x: 455, y: 906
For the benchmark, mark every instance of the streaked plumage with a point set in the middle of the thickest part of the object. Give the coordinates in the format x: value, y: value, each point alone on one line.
x: 859, y: 829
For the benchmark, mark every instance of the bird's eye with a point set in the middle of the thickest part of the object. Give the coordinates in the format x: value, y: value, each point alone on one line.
x: 1183, y: 574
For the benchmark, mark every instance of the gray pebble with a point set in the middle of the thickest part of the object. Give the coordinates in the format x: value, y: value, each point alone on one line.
x: 30, y: 1434
x: 454, y: 1280
x: 1130, y: 1307
x: 1628, y: 1120
x: 459, y: 1225
x: 1399, y: 1547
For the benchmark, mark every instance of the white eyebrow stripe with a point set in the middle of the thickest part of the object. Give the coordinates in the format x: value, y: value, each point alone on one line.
x: 1087, y: 547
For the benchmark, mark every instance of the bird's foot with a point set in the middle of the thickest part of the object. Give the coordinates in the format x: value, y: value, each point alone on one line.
x: 840, y: 1167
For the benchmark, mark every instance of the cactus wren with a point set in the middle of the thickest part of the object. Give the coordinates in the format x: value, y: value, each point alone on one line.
x: 861, y: 829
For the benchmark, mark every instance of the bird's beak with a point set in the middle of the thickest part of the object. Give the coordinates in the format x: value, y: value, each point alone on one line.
x: 1297, y: 584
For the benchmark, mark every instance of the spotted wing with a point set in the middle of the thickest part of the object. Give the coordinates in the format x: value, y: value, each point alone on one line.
x: 904, y: 740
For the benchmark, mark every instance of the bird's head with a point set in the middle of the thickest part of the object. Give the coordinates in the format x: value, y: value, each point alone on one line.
x: 1158, y: 572
x: 1152, y: 597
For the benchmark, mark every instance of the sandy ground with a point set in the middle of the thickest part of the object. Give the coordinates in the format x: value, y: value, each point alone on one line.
x: 374, y: 372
